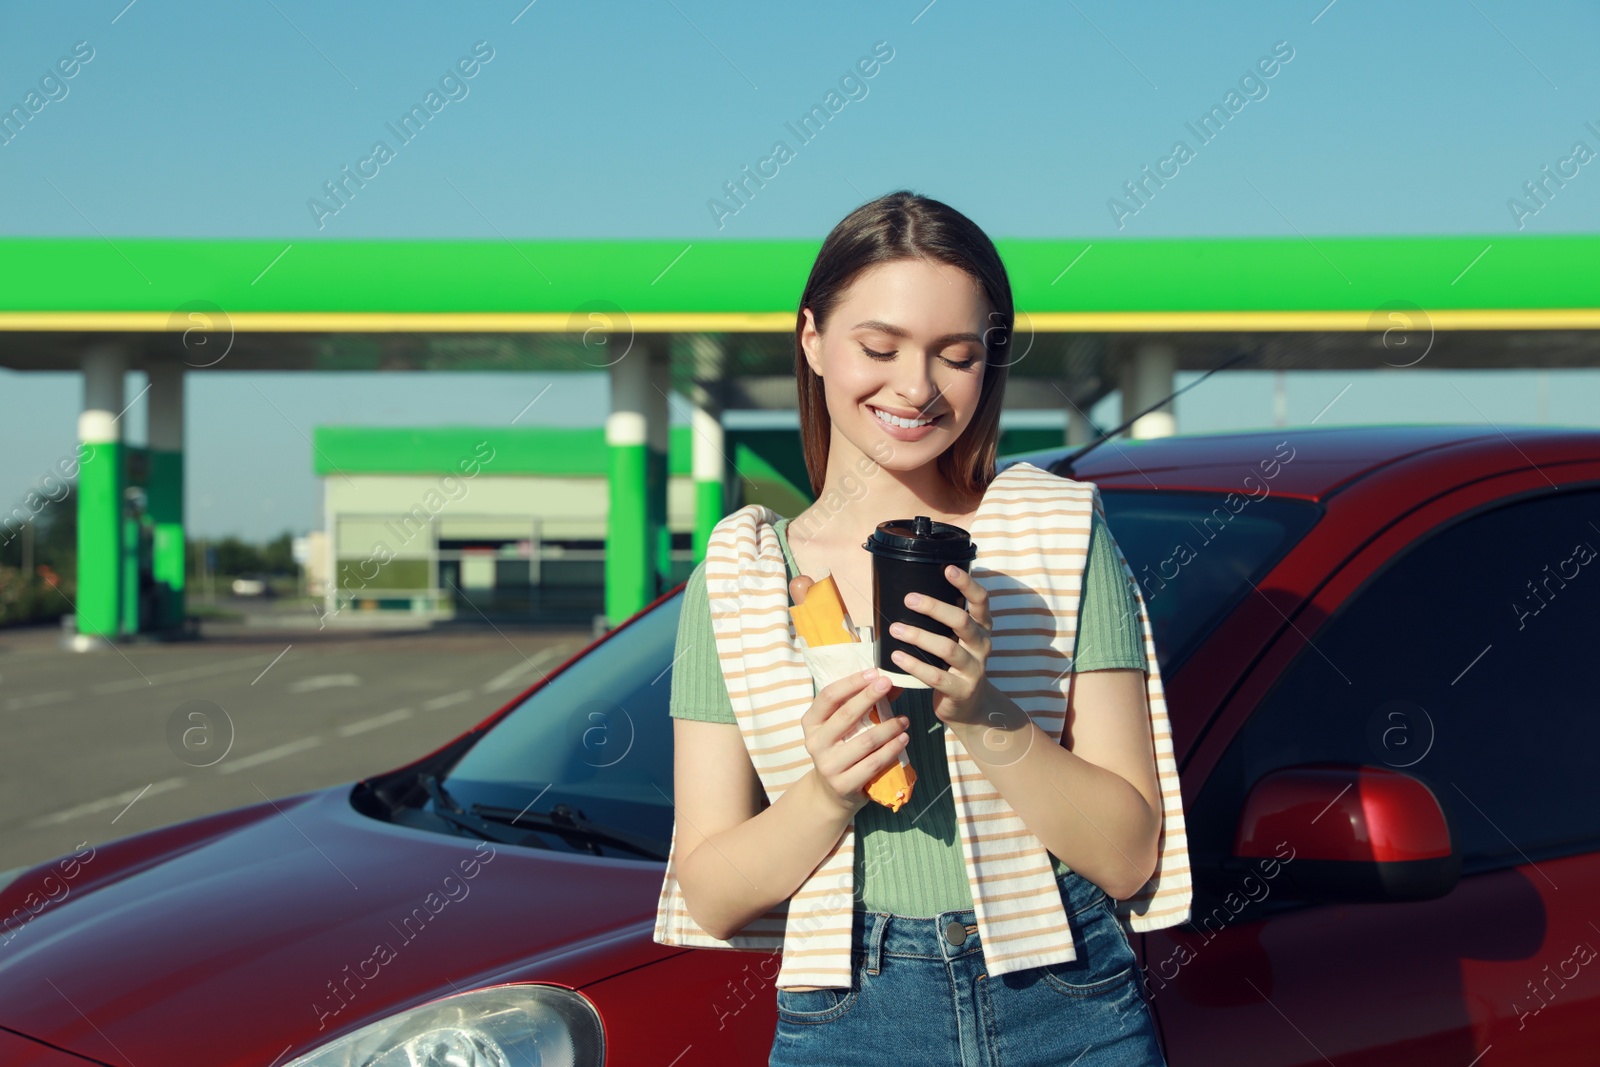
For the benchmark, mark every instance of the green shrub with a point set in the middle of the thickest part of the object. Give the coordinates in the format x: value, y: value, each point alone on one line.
x: 29, y: 598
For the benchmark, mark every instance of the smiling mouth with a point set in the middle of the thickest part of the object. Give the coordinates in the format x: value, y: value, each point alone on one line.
x: 904, y: 424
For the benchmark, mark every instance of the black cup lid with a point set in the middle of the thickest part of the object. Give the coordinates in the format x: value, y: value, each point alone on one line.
x: 923, y: 538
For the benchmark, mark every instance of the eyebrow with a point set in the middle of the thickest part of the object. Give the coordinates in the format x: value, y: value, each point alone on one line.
x: 898, y: 331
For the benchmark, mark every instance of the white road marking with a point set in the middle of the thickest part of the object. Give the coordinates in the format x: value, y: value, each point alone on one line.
x: 324, y: 681
x: 185, y: 675
x: 38, y: 700
x: 267, y: 756
x: 448, y: 700
x: 280, y: 655
x: 509, y: 679
x: 131, y: 803
x: 361, y: 726
x: 121, y: 800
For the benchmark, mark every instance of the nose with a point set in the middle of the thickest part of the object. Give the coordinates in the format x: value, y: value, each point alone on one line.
x: 916, y: 385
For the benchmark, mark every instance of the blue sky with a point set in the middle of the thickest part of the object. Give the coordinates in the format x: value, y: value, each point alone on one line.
x: 624, y: 120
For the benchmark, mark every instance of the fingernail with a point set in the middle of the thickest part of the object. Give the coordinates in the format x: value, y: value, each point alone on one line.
x: 897, y: 629
x: 870, y: 672
x: 881, y: 685
x: 913, y: 599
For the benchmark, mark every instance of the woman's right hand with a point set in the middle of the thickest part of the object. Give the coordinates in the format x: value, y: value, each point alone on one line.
x: 843, y: 768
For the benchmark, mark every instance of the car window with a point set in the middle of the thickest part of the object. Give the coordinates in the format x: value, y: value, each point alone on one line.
x: 1468, y: 662
x: 597, y: 737
x: 1195, y: 554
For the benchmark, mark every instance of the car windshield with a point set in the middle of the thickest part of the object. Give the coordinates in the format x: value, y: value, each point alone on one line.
x: 598, y: 737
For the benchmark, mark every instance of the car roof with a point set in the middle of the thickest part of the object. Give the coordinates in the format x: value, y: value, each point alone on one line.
x: 1311, y: 462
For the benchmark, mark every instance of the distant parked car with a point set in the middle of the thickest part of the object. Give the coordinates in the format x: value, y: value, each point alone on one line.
x: 252, y: 585
x: 1378, y: 650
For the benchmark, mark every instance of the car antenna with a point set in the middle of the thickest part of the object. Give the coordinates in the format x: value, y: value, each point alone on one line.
x: 1064, y: 466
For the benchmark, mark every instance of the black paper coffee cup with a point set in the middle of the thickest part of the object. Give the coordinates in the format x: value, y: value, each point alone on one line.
x: 909, y: 556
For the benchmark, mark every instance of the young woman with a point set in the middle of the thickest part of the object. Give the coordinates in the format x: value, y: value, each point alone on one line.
x: 907, y: 317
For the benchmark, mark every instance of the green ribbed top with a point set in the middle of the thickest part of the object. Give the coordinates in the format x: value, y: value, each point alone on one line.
x: 909, y: 862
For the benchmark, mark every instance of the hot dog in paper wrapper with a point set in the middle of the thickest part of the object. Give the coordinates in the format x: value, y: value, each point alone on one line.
x: 833, y: 649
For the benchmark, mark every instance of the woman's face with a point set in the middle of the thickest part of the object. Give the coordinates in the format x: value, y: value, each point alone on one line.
x: 907, y: 340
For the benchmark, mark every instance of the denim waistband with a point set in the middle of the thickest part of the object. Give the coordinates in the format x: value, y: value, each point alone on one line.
x: 948, y: 935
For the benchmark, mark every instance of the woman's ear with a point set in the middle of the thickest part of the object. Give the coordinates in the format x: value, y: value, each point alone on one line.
x: 810, y: 341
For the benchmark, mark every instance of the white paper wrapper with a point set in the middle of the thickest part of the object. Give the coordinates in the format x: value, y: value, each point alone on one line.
x: 829, y: 663
x: 861, y: 654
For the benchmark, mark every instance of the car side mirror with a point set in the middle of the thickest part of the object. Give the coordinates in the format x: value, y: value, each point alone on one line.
x: 1359, y: 833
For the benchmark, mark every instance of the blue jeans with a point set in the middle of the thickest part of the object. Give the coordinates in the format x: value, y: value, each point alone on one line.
x: 919, y: 993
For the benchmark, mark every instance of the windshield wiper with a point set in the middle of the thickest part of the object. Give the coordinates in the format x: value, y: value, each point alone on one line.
x: 451, y: 812
x: 567, y: 821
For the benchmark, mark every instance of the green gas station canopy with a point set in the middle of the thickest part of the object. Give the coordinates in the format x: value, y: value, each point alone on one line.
x: 1122, y: 284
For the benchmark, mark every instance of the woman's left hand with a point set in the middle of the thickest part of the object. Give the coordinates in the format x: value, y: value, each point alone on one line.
x: 960, y: 689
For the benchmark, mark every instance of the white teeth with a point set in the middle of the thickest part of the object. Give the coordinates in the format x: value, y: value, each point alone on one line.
x: 895, y: 420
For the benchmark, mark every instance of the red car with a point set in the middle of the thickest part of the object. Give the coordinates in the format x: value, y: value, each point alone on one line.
x: 1375, y: 643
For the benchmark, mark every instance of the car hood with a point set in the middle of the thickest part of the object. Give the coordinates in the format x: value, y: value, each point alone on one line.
x: 268, y: 940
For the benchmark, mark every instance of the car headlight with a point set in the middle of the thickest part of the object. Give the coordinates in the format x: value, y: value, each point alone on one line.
x: 538, y: 1025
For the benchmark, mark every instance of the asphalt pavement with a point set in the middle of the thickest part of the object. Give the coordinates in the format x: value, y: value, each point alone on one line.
x: 99, y: 745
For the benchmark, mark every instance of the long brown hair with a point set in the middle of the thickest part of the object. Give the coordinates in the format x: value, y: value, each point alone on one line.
x: 905, y: 225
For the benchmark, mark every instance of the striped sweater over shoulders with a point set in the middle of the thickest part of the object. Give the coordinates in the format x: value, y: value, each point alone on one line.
x: 910, y: 862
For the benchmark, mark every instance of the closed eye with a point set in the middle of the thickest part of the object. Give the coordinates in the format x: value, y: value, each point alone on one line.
x: 891, y: 355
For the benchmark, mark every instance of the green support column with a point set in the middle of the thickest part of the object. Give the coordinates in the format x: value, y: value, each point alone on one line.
x: 709, y: 476
x: 709, y: 509
x: 101, y: 472
x: 659, y: 535
x: 166, y: 493
x: 709, y: 464
x: 657, y: 440
x: 130, y: 574
x: 629, y: 569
